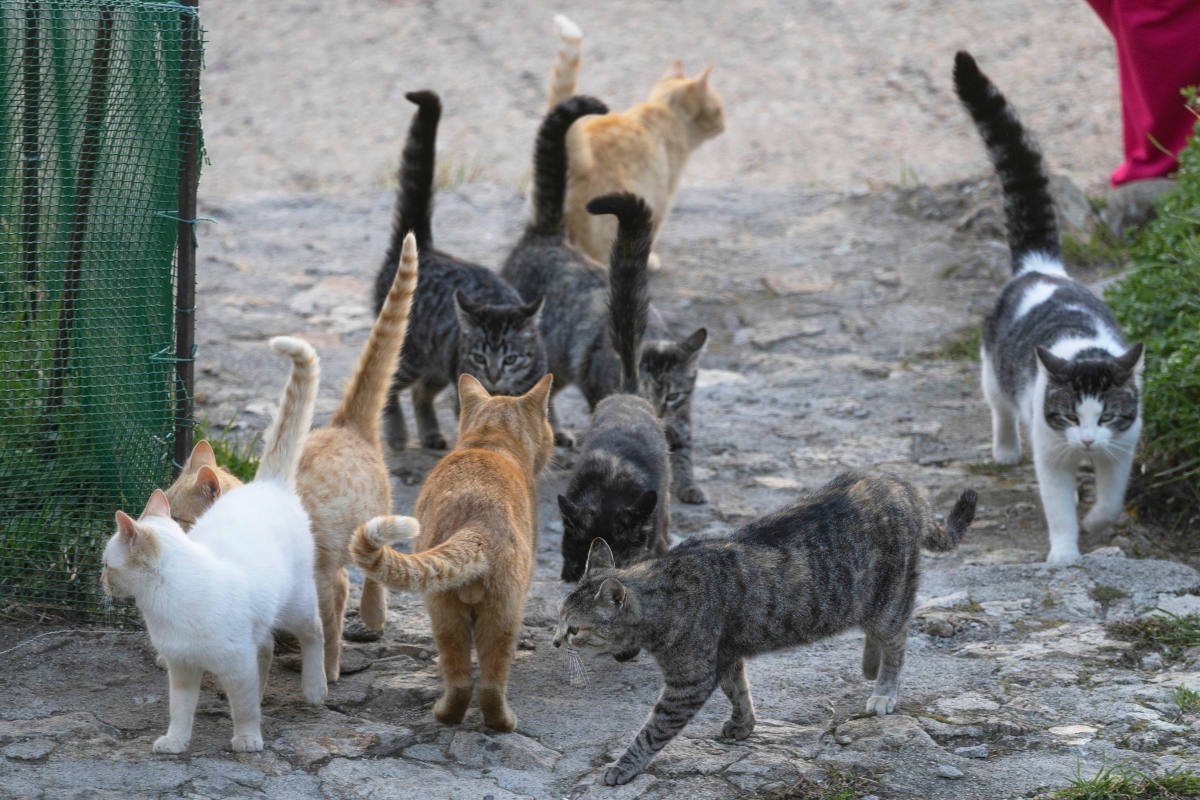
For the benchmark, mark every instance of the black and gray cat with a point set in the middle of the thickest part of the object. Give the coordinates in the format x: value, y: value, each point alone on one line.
x: 848, y: 556
x: 619, y: 491
x: 1054, y: 359
x: 464, y: 317
x: 575, y: 321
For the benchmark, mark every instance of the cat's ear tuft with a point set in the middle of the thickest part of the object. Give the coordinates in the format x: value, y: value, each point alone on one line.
x: 202, y: 454
x: 702, y: 78
x: 539, y: 396
x: 694, y: 343
x: 1053, y: 364
x: 209, y: 483
x: 674, y: 70
x: 567, y: 508
x: 470, y: 393
x: 127, y: 527
x: 611, y: 593
x: 532, y: 311
x: 465, y: 309
x: 644, y: 505
x: 1132, y: 361
x: 158, y: 505
x: 600, y: 556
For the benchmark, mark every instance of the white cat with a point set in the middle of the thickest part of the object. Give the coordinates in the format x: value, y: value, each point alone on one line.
x: 211, y: 598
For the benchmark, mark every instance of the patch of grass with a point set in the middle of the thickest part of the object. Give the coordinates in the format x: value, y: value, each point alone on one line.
x: 834, y: 785
x: 238, y: 456
x: 1187, y: 699
x: 990, y: 469
x: 1101, y: 250
x: 1104, y: 595
x: 452, y: 172
x: 962, y: 345
x: 1158, y: 303
x: 972, y: 606
x: 1127, y: 783
x: 1167, y: 633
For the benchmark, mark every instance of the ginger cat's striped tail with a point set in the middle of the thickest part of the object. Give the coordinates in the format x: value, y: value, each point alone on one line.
x: 367, y: 388
x: 458, y: 560
x: 566, y: 65
x: 285, y: 438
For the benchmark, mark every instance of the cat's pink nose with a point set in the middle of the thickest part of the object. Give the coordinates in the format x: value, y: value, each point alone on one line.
x: 1087, y: 440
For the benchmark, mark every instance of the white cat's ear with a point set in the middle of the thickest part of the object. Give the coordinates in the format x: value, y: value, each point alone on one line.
x: 600, y: 556
x: 611, y: 593
x: 202, y: 454
x: 674, y: 70
x: 209, y: 482
x: 470, y: 393
x: 157, y: 505
x: 539, y: 395
x: 128, y: 528
x: 702, y: 78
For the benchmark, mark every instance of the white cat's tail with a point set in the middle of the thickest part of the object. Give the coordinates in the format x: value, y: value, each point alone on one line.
x: 458, y: 560
x: 285, y: 438
x: 566, y: 65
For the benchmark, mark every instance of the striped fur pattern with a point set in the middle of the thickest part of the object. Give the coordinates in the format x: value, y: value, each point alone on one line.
x: 618, y: 491
x: 566, y: 65
x: 575, y: 320
x: 465, y: 318
x: 475, y: 529
x: 285, y: 436
x: 1053, y: 357
x: 847, y: 556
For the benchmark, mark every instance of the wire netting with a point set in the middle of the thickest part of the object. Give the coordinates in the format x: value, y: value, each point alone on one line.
x: 97, y: 100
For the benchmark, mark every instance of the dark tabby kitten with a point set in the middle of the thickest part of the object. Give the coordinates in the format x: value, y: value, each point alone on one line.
x: 465, y: 318
x: 575, y: 323
x: 619, y: 490
x: 848, y: 556
x: 1053, y: 355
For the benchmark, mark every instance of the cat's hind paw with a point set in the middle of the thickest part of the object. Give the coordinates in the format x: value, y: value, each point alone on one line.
x: 316, y: 692
x: 881, y: 704
x: 434, y: 441
x: 246, y: 743
x: 619, y: 774
x: 1100, y: 522
x: 1062, y: 556
x: 564, y: 439
x: 737, y: 730
x: 692, y: 494
x: 170, y: 744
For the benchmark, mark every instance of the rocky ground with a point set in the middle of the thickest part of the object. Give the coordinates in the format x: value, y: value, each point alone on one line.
x: 840, y: 322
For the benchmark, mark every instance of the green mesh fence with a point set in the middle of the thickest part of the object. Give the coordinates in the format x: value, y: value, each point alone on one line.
x: 97, y: 103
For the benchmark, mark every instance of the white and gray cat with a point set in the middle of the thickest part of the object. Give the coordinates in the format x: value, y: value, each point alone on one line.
x: 1053, y: 356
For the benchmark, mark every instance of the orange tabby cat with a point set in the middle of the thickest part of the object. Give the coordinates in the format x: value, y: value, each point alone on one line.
x: 476, y: 532
x: 641, y: 150
x: 342, y: 478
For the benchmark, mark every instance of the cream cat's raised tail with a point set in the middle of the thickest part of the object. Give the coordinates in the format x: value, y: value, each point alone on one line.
x: 212, y: 597
x: 566, y: 66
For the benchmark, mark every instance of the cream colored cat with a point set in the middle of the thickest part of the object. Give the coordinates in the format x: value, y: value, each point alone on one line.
x: 342, y: 480
x: 642, y: 150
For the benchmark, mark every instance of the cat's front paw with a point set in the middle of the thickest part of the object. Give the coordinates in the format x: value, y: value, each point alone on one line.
x: 434, y: 441
x: 881, y: 704
x: 170, y: 744
x: 737, y: 730
x: 451, y: 707
x: 1006, y: 456
x: 1100, y: 521
x: 246, y: 743
x: 620, y: 773
x: 316, y: 691
x: 564, y: 439
x: 1062, y: 556
x: 654, y: 263
x: 692, y: 494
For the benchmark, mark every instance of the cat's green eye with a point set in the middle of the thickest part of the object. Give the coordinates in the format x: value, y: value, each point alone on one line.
x: 1106, y: 418
x: 674, y: 397
x: 478, y: 358
x: 510, y: 360
x: 1071, y: 418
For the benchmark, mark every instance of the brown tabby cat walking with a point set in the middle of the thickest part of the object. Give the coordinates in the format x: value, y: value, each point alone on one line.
x: 642, y: 150
x: 476, y: 530
x: 342, y: 478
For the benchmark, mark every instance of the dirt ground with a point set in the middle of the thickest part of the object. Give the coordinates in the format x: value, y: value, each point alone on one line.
x: 838, y: 244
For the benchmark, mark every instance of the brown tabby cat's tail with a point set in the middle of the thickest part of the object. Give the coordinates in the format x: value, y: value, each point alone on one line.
x: 566, y: 65
x: 941, y: 539
x: 367, y: 389
x: 285, y: 438
x: 459, y: 560
x: 550, y: 163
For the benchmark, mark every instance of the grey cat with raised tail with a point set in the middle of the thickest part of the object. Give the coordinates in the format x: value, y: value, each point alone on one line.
x: 465, y: 318
x: 1054, y: 359
x: 847, y: 556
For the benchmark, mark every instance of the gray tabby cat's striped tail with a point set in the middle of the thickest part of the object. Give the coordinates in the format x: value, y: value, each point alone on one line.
x: 1028, y: 206
x: 550, y: 163
x: 961, y: 516
x: 414, y: 194
x: 628, y: 294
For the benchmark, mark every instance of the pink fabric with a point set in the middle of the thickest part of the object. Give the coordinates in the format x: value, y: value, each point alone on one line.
x: 1158, y: 53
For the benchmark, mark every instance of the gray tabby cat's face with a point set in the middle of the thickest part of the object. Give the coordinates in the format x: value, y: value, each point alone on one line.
x: 1091, y: 401
x: 669, y: 370
x: 500, y: 346
x: 600, y: 616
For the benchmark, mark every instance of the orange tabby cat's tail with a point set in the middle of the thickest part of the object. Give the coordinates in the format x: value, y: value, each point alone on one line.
x: 285, y: 438
x: 566, y: 65
x: 368, y: 386
x: 459, y: 560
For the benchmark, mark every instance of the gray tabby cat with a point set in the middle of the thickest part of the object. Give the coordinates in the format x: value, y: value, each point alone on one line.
x: 574, y: 325
x: 1053, y: 355
x: 848, y: 556
x: 464, y: 318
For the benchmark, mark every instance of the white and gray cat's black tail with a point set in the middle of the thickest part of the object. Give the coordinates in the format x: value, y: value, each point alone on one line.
x: 288, y: 431
x: 414, y: 193
x: 1028, y: 205
x: 943, y: 538
x: 628, y: 293
x: 550, y: 163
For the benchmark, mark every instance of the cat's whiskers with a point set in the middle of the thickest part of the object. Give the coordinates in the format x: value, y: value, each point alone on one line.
x: 577, y: 671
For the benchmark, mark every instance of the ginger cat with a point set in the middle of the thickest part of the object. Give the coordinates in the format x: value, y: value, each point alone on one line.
x: 642, y: 150
x: 476, y: 532
x: 342, y: 479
